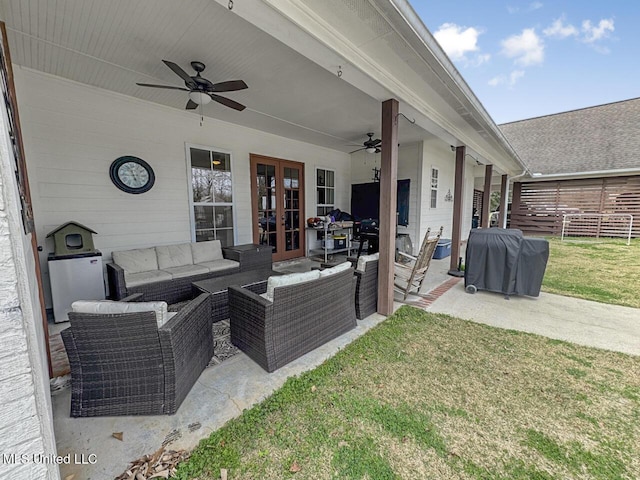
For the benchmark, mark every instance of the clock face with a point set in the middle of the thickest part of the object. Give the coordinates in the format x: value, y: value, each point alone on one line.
x: 132, y: 174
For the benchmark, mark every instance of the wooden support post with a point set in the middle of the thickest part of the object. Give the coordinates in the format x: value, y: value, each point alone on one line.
x: 388, y: 201
x: 485, y: 220
x: 504, y: 201
x: 458, y: 196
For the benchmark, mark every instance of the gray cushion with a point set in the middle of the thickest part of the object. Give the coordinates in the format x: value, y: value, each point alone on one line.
x: 290, y: 279
x: 174, y: 255
x: 135, y: 279
x: 136, y: 261
x: 327, y: 272
x: 206, y: 251
x: 218, y: 265
x: 186, y: 271
x: 363, y: 259
x: 110, y: 307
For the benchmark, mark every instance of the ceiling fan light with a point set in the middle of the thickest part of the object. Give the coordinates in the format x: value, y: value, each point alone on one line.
x: 199, y: 98
x: 370, y: 150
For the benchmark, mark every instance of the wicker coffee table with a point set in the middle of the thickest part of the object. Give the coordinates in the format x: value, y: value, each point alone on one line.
x: 254, y: 280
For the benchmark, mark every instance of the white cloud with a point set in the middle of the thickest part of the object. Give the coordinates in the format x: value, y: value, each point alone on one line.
x: 593, y: 33
x: 558, y: 29
x: 457, y: 41
x: 526, y: 49
x: 515, y: 76
x: 508, y: 80
x: 480, y: 59
x: 530, y: 8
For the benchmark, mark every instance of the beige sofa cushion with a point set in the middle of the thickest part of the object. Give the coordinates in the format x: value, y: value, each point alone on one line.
x: 136, y: 261
x: 327, y: 272
x: 363, y: 259
x: 217, y: 265
x: 110, y: 307
x: 289, y: 279
x: 135, y: 279
x: 206, y: 251
x: 174, y: 255
x: 186, y: 271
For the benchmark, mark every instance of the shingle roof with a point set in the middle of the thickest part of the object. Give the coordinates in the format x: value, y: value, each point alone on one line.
x: 604, y: 137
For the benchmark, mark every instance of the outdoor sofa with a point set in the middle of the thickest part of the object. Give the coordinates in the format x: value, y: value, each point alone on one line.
x: 135, y: 358
x: 294, y: 315
x: 165, y: 273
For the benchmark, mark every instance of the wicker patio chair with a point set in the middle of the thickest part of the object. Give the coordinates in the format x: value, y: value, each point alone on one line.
x: 124, y: 364
x: 300, y: 318
x: 408, y: 278
x: 366, y: 273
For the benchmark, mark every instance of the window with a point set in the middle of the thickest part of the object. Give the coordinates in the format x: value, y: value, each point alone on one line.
x: 212, y: 195
x: 434, y: 187
x: 325, y: 187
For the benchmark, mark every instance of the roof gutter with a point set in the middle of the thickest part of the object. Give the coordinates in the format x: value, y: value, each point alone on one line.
x: 592, y: 173
x: 455, y: 83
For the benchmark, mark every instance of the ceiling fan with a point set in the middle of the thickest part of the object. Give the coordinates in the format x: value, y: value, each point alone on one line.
x: 370, y: 145
x: 202, y: 91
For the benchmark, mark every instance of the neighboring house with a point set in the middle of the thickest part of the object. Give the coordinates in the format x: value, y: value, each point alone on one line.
x: 319, y: 74
x: 583, y: 162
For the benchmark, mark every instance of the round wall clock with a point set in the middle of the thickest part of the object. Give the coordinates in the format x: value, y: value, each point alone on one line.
x: 132, y: 174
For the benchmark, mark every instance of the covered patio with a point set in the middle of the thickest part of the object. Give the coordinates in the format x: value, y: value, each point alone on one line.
x: 321, y: 75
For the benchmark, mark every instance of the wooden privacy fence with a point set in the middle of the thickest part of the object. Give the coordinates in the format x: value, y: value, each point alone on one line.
x: 539, y: 207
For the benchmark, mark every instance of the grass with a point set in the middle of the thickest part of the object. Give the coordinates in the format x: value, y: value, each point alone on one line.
x: 606, y: 272
x: 430, y: 396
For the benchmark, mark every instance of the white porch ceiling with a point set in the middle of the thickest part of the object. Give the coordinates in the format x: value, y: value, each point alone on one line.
x: 114, y: 44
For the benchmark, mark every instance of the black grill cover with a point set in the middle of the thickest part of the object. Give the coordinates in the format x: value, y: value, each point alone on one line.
x: 504, y: 261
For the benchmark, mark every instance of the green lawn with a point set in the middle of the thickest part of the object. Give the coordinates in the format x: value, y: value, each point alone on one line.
x: 607, y: 272
x: 425, y: 396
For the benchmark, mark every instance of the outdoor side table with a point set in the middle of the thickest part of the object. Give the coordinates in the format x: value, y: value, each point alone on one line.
x: 250, y: 256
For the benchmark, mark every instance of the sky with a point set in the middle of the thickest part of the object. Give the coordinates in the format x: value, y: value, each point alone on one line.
x: 526, y: 59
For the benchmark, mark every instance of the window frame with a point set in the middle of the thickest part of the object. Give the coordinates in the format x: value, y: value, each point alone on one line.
x: 192, y: 204
x: 325, y: 187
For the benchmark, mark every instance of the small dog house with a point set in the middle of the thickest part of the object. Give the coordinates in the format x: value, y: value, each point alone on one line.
x: 72, y: 238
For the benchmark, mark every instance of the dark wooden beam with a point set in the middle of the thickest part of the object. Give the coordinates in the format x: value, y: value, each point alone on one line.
x: 504, y: 197
x: 458, y: 195
x: 388, y: 201
x: 486, y: 196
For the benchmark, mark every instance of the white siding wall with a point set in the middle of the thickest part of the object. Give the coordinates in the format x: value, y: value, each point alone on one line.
x: 409, y: 156
x: 438, y: 154
x: 26, y: 426
x: 73, y: 132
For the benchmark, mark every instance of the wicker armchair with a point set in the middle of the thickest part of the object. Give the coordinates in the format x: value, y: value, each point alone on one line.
x: 367, y: 289
x: 301, y: 318
x: 124, y: 364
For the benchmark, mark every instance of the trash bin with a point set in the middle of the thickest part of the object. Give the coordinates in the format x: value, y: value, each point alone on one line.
x: 504, y: 261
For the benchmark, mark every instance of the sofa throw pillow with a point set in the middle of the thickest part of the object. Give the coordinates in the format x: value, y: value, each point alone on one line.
x: 327, y: 272
x: 136, y: 261
x: 109, y: 306
x: 289, y: 279
x: 206, y: 251
x: 366, y: 258
x: 170, y: 256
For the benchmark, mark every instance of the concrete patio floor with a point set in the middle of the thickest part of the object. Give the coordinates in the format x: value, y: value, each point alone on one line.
x: 223, y: 391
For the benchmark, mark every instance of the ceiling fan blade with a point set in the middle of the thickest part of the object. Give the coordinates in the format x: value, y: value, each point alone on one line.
x: 191, y: 105
x: 230, y: 86
x: 227, y: 102
x: 181, y: 73
x: 162, y: 86
x: 357, y: 150
x: 377, y: 141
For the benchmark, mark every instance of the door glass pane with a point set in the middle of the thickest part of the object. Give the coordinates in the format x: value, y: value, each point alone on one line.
x: 266, y: 183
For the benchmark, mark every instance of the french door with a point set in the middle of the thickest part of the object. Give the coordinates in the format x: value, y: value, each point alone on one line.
x: 277, y: 200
